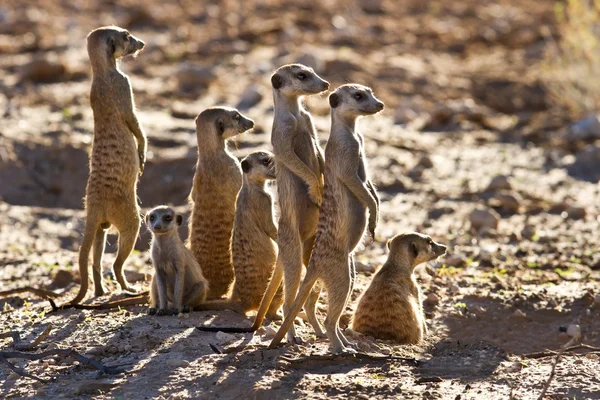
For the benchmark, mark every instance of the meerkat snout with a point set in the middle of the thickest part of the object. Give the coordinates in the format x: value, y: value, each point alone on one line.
x: 162, y: 220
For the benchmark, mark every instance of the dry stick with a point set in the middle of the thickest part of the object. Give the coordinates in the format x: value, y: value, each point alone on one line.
x: 549, y: 353
x: 6, y: 355
x: 43, y: 293
x: 343, y: 357
x: 547, y: 384
x: 131, y: 301
x: 17, y: 345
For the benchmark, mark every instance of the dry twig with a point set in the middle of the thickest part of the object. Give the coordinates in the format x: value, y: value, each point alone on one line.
x: 17, y: 345
x: 567, y: 351
x: 43, y: 293
x: 315, y: 359
x: 554, y: 364
x: 142, y: 298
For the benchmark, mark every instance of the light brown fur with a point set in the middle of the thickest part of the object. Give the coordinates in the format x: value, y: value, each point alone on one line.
x: 217, y: 181
x: 118, y: 155
x: 253, y: 246
x: 392, y: 307
x: 347, y: 195
x: 178, y: 279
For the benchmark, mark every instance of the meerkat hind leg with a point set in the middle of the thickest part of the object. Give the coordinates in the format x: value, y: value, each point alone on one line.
x: 290, y: 250
x: 97, y: 253
x: 337, y: 283
x: 310, y: 307
x: 128, y: 233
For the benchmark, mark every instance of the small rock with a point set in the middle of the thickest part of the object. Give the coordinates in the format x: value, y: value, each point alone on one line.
x: 275, y: 384
x: 44, y: 71
x: 483, y: 218
x: 592, y: 356
x: 519, y: 314
x: 597, y: 301
x: 574, y: 331
x: 270, y: 332
x: 453, y: 289
x: 128, y: 347
x: 365, y: 268
x: 191, y: 76
x: 528, y: 232
x: 509, y: 203
x: 62, y: 279
x: 455, y: 260
x: 432, y: 299
x: 178, y: 363
x: 437, y: 212
x: 223, y: 337
x: 575, y: 212
x: 499, y: 182
x: 425, y: 162
x: 587, y: 128
x: 94, y: 387
x: 251, y: 97
x: 113, y: 350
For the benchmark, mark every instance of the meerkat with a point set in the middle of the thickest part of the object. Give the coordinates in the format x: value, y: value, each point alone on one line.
x: 118, y: 156
x: 348, y: 194
x: 299, y: 168
x: 178, y: 278
x: 217, y: 181
x: 392, y: 307
x: 253, y: 247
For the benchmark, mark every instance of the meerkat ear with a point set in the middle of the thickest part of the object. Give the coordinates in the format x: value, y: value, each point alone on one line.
x: 245, y: 166
x: 146, y: 217
x: 111, y: 44
x: 388, y: 244
x: 220, y: 126
x: 334, y: 100
x: 179, y: 219
x: 415, y: 250
x: 276, y: 81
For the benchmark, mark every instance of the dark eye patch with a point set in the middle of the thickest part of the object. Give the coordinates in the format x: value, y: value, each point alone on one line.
x: 152, y: 217
x: 301, y: 76
x: 168, y: 218
x: 358, y: 96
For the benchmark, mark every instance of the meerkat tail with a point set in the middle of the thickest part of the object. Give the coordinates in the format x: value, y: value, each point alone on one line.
x: 223, y: 304
x: 89, y: 235
x: 305, y: 289
x: 265, y: 303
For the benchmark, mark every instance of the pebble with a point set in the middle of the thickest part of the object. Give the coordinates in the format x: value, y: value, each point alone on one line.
x: 499, y: 182
x: 425, y: 162
x: 432, y: 299
x: 223, y: 337
x: 574, y: 213
x: 190, y: 76
x: 484, y: 218
x: 597, y: 301
x: 592, y: 356
x: 251, y: 97
x: 528, y: 232
x: 275, y: 384
x: 44, y: 71
x: 453, y: 289
x: 178, y: 363
x: 508, y: 202
x: 574, y: 331
x: 270, y: 332
x: 61, y: 279
x: 519, y: 314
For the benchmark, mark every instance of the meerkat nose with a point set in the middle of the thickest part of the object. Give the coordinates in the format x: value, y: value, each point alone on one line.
x: 326, y: 85
x: 380, y: 105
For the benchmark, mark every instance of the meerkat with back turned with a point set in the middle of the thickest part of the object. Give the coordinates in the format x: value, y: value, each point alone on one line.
x: 392, y: 307
x: 348, y: 194
x: 299, y: 168
x: 253, y: 246
x: 118, y: 156
x: 178, y: 278
x: 216, y: 184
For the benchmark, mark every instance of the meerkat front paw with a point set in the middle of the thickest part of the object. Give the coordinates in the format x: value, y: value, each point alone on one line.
x: 187, y: 309
x: 315, y: 193
x: 173, y: 311
x: 162, y: 311
x: 142, y: 158
x: 151, y: 310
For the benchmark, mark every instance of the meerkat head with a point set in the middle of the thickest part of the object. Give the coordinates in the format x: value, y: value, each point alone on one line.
x: 226, y: 122
x: 354, y: 100
x: 297, y: 80
x: 163, y: 220
x: 259, y: 166
x: 114, y: 42
x: 414, y: 248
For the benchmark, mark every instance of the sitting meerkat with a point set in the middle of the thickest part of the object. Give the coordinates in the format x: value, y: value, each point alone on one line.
x: 253, y: 247
x: 392, y: 307
x: 178, y: 277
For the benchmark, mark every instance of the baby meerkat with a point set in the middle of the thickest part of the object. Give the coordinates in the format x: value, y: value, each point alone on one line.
x: 178, y: 278
x: 392, y: 307
x: 217, y: 181
x: 118, y: 156
x: 347, y: 196
x: 253, y: 247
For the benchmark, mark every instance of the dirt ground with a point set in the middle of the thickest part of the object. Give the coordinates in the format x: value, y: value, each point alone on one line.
x: 468, y: 125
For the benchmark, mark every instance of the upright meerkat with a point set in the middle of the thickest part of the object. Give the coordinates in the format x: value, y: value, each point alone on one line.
x: 253, y: 246
x: 217, y: 181
x: 299, y: 168
x: 392, y: 307
x: 118, y: 155
x: 178, y: 278
x: 348, y: 195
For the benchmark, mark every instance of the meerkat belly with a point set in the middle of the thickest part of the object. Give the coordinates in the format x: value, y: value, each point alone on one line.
x: 348, y: 213
x: 294, y: 200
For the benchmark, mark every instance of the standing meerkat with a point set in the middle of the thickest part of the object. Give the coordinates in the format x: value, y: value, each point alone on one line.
x: 118, y: 156
x: 253, y: 246
x: 217, y: 181
x: 392, y: 307
x: 348, y: 194
x: 299, y: 168
x: 178, y: 278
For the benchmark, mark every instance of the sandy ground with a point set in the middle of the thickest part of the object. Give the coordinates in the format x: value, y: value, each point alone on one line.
x: 464, y: 105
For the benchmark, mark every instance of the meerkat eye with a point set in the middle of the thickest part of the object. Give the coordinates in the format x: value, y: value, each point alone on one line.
x: 152, y: 218
x: 266, y: 161
x: 358, y: 96
x: 168, y: 218
x: 236, y: 116
x: 301, y: 76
